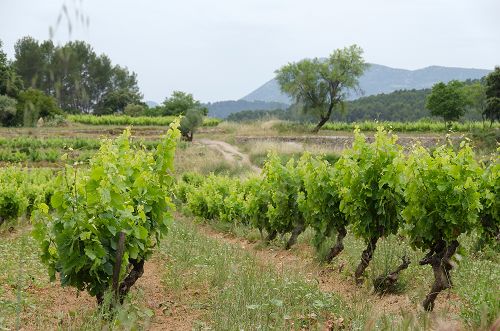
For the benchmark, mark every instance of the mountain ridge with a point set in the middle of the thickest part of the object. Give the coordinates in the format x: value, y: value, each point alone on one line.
x: 380, y: 79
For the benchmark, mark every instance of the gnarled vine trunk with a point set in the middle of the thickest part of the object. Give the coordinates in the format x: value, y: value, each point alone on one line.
x: 339, y: 245
x: 299, y: 228
x: 120, y: 290
x: 440, y: 260
x: 136, y: 273
x: 271, y: 236
x: 366, y: 257
x: 385, y: 283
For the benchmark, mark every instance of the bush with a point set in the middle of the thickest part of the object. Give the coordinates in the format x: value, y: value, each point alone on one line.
x: 190, y: 122
x: 134, y: 110
x: 34, y: 104
x: 8, y: 111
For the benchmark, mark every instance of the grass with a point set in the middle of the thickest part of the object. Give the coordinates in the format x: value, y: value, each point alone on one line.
x: 258, y: 151
x: 239, y: 293
x: 475, y: 306
x: 205, y: 160
x: 28, y: 300
x: 222, y: 286
x: 418, y: 126
x: 478, y: 305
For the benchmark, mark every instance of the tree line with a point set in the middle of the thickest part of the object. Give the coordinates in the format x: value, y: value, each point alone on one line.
x: 319, y: 88
x: 45, y: 80
x: 400, y: 105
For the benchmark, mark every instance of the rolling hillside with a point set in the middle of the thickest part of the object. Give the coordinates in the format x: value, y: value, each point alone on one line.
x: 381, y: 79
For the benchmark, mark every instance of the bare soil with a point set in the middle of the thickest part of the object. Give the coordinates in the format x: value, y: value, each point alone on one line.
x: 168, y: 313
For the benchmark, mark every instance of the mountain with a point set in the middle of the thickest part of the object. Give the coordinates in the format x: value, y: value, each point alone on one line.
x: 151, y: 104
x: 221, y: 109
x: 381, y: 79
x: 400, y: 105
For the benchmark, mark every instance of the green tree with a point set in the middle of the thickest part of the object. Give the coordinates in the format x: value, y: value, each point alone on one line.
x: 492, y: 109
x: 35, y: 104
x: 8, y: 111
x: 10, y: 82
x: 442, y: 194
x: 190, y: 122
x: 180, y: 102
x: 32, y: 62
x: 367, y: 177
x: 116, y: 101
x: 476, y: 94
x: 74, y: 74
x: 134, y: 109
x: 448, y: 101
x: 318, y: 86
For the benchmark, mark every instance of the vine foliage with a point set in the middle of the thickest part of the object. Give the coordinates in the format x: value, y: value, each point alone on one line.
x: 125, y: 193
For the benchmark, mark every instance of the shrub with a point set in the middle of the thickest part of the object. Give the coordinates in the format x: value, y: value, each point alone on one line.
x: 8, y: 111
x: 34, y: 104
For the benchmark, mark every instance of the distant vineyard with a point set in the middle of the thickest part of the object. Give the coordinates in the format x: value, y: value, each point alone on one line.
x: 128, y: 120
x: 33, y: 149
x: 22, y: 189
x: 373, y: 190
x: 419, y: 126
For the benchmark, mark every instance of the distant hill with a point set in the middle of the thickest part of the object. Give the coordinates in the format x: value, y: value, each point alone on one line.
x: 400, y: 105
x: 151, y: 104
x: 222, y: 109
x: 381, y: 79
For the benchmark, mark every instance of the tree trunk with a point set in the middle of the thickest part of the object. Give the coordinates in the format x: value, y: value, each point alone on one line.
x: 339, y: 245
x: 440, y: 262
x: 322, y: 122
x: 299, y: 228
x: 366, y: 257
x: 324, y: 119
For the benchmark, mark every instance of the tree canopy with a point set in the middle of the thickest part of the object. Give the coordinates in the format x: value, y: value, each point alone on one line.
x: 492, y: 109
x: 448, y: 101
x: 34, y: 104
x: 80, y: 80
x: 10, y: 82
x: 179, y: 103
x: 8, y: 111
x: 190, y: 122
x: 319, y: 85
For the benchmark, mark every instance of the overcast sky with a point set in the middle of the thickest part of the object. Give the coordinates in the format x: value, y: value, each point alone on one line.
x: 224, y: 49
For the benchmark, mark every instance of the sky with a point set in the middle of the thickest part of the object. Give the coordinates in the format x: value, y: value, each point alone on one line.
x: 224, y: 49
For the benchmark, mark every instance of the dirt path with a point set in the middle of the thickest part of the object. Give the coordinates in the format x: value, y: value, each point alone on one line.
x: 168, y: 315
x: 229, y: 152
